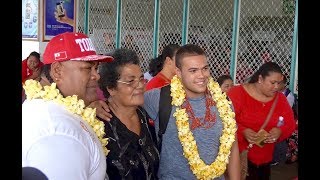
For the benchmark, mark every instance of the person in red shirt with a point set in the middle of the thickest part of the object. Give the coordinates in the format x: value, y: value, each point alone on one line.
x: 31, y: 67
x: 166, y: 63
x: 252, y: 102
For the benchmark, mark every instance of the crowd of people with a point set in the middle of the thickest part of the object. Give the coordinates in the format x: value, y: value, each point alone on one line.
x: 99, y: 118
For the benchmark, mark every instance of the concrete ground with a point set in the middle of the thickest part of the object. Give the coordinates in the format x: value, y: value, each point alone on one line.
x: 284, y: 171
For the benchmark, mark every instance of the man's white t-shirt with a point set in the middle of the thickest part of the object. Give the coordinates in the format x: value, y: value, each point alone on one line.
x: 59, y: 143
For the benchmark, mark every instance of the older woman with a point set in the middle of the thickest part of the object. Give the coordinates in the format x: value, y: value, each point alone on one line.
x: 133, y: 152
x: 253, y: 102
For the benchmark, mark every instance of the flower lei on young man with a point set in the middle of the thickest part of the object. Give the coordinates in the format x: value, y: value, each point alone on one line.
x: 34, y: 90
x: 190, y: 149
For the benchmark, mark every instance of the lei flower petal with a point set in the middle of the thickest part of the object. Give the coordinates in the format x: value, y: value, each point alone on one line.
x: 34, y: 90
x: 189, y: 146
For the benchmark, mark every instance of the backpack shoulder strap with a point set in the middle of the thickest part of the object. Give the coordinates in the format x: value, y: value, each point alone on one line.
x: 164, y: 111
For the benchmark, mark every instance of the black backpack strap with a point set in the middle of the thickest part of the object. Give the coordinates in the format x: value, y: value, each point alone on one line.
x: 164, y: 111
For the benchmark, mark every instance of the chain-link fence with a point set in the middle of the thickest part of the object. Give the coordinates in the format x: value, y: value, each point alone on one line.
x: 170, y: 23
x: 265, y: 30
x: 210, y: 24
x: 266, y: 34
x: 101, y: 23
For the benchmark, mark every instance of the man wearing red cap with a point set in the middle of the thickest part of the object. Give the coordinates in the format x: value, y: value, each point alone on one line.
x: 61, y: 136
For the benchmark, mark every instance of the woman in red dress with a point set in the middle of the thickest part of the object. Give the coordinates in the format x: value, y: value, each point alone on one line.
x: 252, y: 102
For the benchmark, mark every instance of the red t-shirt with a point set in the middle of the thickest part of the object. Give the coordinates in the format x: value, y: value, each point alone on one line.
x: 26, y: 72
x: 157, y: 81
x: 251, y: 113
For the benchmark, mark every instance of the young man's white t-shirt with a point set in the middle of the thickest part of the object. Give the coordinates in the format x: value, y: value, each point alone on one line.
x: 59, y: 143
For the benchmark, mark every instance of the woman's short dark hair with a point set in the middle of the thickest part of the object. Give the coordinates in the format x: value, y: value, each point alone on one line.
x: 222, y: 78
x: 35, y: 54
x: 265, y: 70
x: 110, y: 71
x: 156, y: 64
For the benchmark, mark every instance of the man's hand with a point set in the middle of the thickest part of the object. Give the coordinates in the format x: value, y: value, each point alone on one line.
x: 102, y: 109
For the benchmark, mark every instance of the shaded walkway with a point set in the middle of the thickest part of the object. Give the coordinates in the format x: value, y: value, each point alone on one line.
x: 284, y: 171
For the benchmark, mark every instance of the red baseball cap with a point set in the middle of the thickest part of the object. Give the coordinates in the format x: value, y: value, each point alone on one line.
x: 70, y: 46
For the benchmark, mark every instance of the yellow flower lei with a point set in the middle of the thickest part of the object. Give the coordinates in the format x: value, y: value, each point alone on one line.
x: 190, y: 149
x: 34, y: 90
